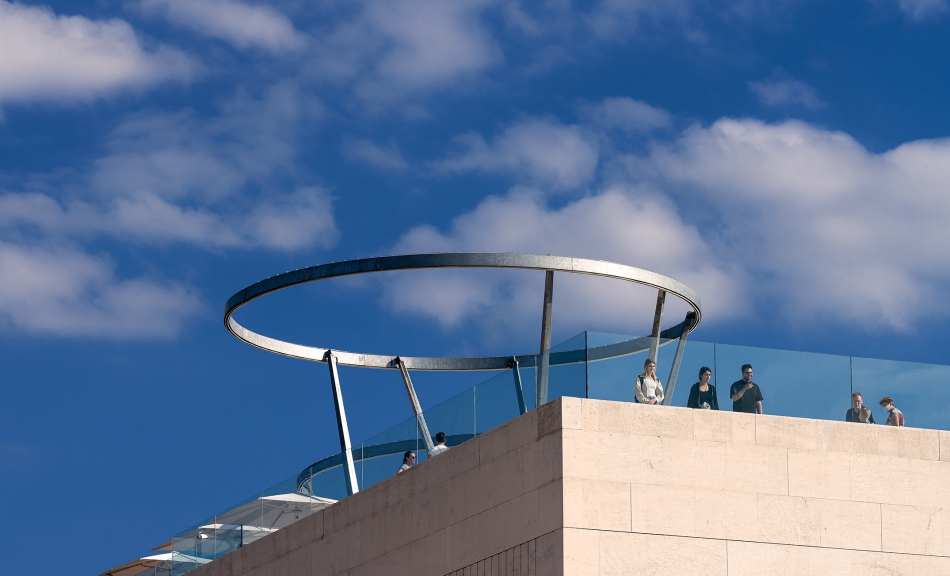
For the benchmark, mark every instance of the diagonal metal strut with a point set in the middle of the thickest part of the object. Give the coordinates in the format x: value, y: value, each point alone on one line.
x: 416, y: 408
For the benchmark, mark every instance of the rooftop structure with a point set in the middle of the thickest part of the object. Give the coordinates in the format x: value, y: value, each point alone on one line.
x: 590, y: 366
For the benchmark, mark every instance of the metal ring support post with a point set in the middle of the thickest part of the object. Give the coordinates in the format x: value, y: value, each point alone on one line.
x: 424, y: 261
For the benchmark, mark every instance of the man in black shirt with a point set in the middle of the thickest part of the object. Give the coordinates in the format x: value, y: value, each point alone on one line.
x: 852, y: 413
x: 746, y: 396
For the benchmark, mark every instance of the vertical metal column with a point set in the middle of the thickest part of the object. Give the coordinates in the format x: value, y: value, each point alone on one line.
x: 519, y: 391
x: 680, y: 348
x: 544, y: 356
x: 657, y: 320
x: 349, y: 474
x: 416, y: 408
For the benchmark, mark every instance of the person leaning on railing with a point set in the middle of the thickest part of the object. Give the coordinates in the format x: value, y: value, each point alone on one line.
x: 647, y: 388
x: 703, y: 394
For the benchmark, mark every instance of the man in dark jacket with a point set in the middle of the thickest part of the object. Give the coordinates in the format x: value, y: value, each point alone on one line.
x: 852, y: 415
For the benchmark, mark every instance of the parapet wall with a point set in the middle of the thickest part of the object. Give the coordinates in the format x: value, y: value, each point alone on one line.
x: 676, y: 491
x: 493, y: 498
x: 584, y: 487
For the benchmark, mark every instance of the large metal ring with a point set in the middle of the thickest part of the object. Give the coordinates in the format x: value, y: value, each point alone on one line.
x: 442, y: 260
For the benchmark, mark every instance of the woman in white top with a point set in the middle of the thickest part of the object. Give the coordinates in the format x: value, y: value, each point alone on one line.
x: 408, y: 459
x: 647, y: 388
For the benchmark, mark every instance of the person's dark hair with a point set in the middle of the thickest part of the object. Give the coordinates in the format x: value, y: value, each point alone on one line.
x: 746, y: 367
x: 853, y: 394
x: 405, y: 457
x: 440, y: 437
x: 886, y: 400
x: 703, y: 370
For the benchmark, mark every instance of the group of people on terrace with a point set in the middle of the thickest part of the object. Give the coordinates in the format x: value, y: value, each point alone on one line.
x: 746, y: 395
x: 409, y: 458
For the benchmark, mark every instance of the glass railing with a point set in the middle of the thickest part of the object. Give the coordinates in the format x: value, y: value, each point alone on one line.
x: 249, y: 520
x: 603, y: 366
x: 589, y: 365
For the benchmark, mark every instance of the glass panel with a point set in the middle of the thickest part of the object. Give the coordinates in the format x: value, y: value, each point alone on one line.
x: 803, y: 384
x: 567, y: 371
x: 496, y: 401
x: 614, y: 362
x: 455, y: 417
x: 920, y: 391
x: 383, y: 452
x: 329, y: 484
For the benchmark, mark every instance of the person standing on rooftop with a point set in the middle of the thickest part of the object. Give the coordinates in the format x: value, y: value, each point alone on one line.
x: 647, y: 388
x: 852, y: 414
x: 746, y: 396
x: 703, y: 394
x: 408, y: 459
x: 440, y: 446
x: 896, y: 417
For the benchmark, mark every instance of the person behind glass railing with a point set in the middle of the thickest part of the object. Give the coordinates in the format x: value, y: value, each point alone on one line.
x: 852, y: 414
x: 896, y: 417
x: 408, y: 459
x: 746, y: 395
x: 703, y: 394
x: 440, y: 446
x: 647, y: 388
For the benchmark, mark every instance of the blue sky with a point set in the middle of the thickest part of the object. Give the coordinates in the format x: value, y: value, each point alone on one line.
x: 786, y: 159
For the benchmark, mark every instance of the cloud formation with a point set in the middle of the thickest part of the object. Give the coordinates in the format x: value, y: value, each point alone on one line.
x: 49, y: 57
x: 789, y: 219
x: 242, y: 25
x: 830, y: 229
x: 66, y: 292
x: 920, y: 9
x: 783, y: 92
x: 534, y: 150
x: 168, y: 179
x: 626, y: 114
x: 390, y: 48
x: 369, y: 152
x: 621, y: 224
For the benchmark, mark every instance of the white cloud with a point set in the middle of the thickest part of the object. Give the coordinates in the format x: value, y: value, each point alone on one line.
x: 67, y: 58
x: 789, y: 218
x: 367, y: 151
x: 535, y: 150
x: 177, y: 178
x: 828, y: 229
x: 171, y: 179
x: 302, y: 219
x: 70, y: 293
x: 920, y: 9
x: 242, y: 25
x: 390, y: 48
x: 778, y: 92
x: 622, y: 224
x: 620, y: 19
x: 178, y: 155
x: 626, y: 114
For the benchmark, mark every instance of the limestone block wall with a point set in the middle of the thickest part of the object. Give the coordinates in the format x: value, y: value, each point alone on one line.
x: 588, y: 487
x: 660, y: 490
x: 490, y: 503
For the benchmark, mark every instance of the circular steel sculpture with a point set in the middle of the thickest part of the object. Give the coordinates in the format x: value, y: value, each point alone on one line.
x: 441, y: 260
